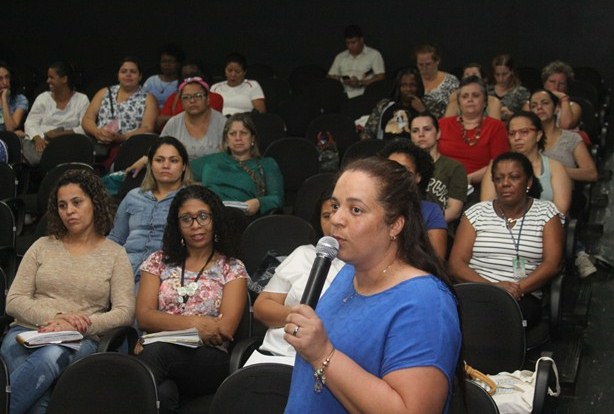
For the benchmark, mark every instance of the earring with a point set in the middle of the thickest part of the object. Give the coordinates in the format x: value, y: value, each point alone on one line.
x: 216, y: 238
x: 253, y: 143
x: 182, y: 242
x: 528, y: 188
x: 393, y: 237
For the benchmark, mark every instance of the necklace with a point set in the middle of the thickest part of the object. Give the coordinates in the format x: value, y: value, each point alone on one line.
x: 186, y: 292
x: 472, y: 142
x: 353, y: 293
x: 510, y: 222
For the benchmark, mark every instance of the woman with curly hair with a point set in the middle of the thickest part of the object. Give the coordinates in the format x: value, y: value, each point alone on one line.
x: 195, y: 281
x: 75, y: 279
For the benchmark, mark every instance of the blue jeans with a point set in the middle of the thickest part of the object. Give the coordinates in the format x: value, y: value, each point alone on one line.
x: 32, y: 372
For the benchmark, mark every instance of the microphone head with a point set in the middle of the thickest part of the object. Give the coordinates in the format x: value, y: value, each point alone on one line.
x: 327, y: 247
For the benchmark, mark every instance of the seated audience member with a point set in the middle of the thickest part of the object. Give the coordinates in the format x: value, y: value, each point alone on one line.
x: 72, y: 280
x: 285, y: 290
x: 527, y: 137
x: 173, y: 106
x: 13, y: 105
x: 239, y: 173
x: 240, y: 94
x: 198, y: 127
x: 493, y: 105
x: 438, y: 85
x: 120, y: 111
x: 141, y: 216
x: 359, y: 65
x: 420, y: 164
x: 165, y: 83
x: 56, y: 112
x: 448, y: 185
x: 562, y: 145
x: 195, y: 281
x: 556, y: 77
x: 472, y: 138
x: 390, y: 117
x: 506, y: 86
x: 515, y: 241
x: 375, y: 343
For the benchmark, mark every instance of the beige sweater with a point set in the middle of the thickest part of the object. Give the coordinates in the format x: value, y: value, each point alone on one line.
x: 50, y: 280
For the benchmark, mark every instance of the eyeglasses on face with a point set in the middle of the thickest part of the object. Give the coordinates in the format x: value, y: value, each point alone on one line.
x: 195, y: 96
x: 203, y: 218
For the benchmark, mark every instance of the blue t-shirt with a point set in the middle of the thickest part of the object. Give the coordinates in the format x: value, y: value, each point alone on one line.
x: 432, y: 213
x: 15, y: 102
x: 413, y: 324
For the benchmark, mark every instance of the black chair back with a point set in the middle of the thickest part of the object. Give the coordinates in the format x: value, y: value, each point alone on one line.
x: 282, y: 233
x: 103, y: 383
x: 51, y: 179
x: 298, y: 159
x: 275, y: 91
x: 67, y: 148
x: 264, y: 388
x: 328, y: 94
x: 8, y: 182
x: 308, y: 195
x: 13, y: 144
x: 270, y: 128
x: 133, y: 149
x: 493, y: 335
x: 302, y: 77
x: 341, y: 128
x: 297, y: 112
x: 362, y: 149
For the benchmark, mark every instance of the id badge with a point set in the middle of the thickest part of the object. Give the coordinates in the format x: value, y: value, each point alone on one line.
x: 518, y: 264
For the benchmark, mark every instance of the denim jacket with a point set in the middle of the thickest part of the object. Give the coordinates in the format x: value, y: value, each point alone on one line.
x: 139, y: 225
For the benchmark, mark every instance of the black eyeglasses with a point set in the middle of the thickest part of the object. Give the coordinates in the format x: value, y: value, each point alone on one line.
x: 196, y: 96
x: 201, y: 218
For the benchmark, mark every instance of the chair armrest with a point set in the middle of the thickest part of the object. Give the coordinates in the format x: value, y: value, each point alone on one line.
x: 556, y: 288
x: 113, y: 339
x: 542, y: 380
x: 242, y: 350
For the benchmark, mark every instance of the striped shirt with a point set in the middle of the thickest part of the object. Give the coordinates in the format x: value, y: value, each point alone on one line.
x: 493, y: 248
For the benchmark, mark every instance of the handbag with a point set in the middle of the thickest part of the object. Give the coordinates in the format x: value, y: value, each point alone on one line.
x: 515, y: 390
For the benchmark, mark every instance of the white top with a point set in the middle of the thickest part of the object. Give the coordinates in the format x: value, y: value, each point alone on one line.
x: 367, y: 63
x: 45, y: 115
x: 197, y: 146
x: 238, y: 98
x: 494, y: 249
x: 291, y: 277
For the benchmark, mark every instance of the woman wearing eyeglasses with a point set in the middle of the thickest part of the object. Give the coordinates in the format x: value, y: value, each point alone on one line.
x: 198, y: 127
x: 120, y: 111
x: 526, y: 136
x: 193, y: 282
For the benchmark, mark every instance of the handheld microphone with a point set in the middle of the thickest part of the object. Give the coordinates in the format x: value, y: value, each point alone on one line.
x: 326, y: 251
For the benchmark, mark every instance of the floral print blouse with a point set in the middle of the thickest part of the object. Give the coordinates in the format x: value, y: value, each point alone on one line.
x: 129, y: 113
x: 207, y: 298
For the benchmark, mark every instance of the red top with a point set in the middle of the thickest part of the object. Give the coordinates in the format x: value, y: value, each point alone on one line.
x: 492, y: 142
x: 172, y: 105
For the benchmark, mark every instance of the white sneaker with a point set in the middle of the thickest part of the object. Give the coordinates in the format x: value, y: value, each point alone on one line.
x: 584, y: 265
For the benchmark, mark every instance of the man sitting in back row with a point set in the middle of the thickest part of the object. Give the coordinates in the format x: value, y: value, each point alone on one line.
x: 359, y: 65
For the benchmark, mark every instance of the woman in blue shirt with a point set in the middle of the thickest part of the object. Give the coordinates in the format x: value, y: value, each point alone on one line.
x: 385, y: 336
x: 13, y: 106
x: 141, y: 216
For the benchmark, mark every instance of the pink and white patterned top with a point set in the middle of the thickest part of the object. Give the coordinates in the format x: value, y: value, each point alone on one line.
x: 208, y: 297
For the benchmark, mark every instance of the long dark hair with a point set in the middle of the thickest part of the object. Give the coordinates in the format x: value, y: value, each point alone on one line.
x: 398, y: 195
x: 535, y: 190
x: 395, y: 95
x: 225, y: 238
x: 422, y: 159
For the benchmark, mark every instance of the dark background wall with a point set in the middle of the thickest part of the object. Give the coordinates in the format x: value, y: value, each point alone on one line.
x: 285, y: 33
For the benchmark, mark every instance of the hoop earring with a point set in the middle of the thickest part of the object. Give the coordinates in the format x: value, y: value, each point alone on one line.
x: 216, y: 238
